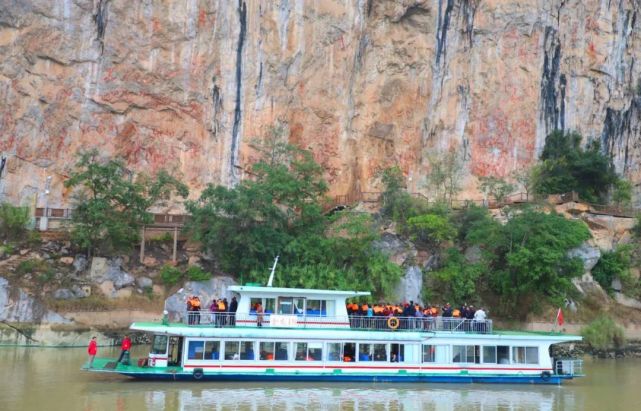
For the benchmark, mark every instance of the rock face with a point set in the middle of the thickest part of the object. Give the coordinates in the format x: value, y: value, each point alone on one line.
x: 588, y: 253
x: 410, y: 286
x: 110, y: 270
x: 17, y: 306
x: 364, y: 84
x: 205, y: 290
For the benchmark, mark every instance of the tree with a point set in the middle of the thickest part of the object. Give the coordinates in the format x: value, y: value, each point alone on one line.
x: 445, y: 174
x: 566, y: 167
x: 395, y: 201
x: 495, y: 187
x: 525, y: 178
x: 110, y: 206
x: 430, y: 229
x: 622, y: 192
x: 259, y: 217
x: 13, y: 221
x: 528, y: 257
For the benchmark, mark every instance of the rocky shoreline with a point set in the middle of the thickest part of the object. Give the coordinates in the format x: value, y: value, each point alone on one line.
x: 631, y: 349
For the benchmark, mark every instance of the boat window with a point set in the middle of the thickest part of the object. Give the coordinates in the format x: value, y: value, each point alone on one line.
x: 372, y: 352
x: 282, y: 351
x: 267, y: 350
x: 397, y: 352
x: 285, y: 305
x: 316, y: 308
x: 525, y: 355
x: 308, y: 351
x: 239, y: 350
x: 465, y: 353
x: 212, y: 350
x: 496, y: 354
x: 159, y: 346
x: 349, y: 352
x: 334, y: 352
x: 268, y: 304
x: 429, y: 353
x: 195, y: 350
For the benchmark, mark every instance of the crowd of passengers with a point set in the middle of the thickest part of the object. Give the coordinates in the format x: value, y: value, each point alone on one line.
x: 222, y: 311
x: 414, y: 316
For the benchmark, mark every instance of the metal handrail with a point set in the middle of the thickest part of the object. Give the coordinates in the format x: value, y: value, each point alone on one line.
x: 568, y: 366
x: 356, y: 322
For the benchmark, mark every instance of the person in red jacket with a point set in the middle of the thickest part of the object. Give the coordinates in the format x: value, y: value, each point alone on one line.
x: 92, y: 350
x: 124, y: 347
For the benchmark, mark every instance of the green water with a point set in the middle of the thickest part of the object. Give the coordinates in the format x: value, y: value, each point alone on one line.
x: 45, y: 379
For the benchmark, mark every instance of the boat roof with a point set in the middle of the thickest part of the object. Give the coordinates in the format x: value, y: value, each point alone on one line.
x: 345, y: 334
x: 252, y: 289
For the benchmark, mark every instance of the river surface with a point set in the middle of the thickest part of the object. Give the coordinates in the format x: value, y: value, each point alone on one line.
x: 43, y: 379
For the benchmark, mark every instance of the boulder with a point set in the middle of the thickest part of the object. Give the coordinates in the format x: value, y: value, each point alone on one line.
x: 107, y: 288
x: 24, y: 251
x: 150, y: 261
x: 103, y: 270
x: 81, y: 291
x: 627, y: 301
x: 144, y: 282
x: 124, y: 293
x: 158, y: 289
x: 80, y: 263
x: 473, y: 254
x: 18, y: 306
x: 588, y: 253
x: 399, y: 251
x: 216, y: 287
x: 586, y: 285
x: 410, y: 286
x: 616, y: 285
x: 66, y: 260
x: 64, y: 294
x: 194, y: 260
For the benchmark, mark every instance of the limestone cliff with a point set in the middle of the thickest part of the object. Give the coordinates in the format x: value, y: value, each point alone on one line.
x: 186, y: 84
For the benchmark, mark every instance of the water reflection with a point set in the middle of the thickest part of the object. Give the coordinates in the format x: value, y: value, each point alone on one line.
x: 246, y: 396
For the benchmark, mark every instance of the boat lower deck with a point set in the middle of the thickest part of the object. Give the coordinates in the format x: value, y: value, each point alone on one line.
x: 323, y: 374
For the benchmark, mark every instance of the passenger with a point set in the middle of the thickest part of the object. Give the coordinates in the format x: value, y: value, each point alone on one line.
x: 259, y: 315
x: 446, y: 313
x: 196, y: 308
x: 92, y: 350
x: 233, y: 307
x: 124, y: 347
x: 221, y: 313
x: 479, y: 320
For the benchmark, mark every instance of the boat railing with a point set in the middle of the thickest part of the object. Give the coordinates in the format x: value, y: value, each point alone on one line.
x: 374, y: 323
x: 568, y: 366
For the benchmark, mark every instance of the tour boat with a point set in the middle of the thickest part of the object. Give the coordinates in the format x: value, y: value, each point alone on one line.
x: 307, y: 335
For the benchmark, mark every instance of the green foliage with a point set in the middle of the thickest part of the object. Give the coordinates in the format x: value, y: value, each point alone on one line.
x: 13, y: 221
x: 496, y: 188
x: 445, y: 175
x: 527, y: 257
x: 603, y: 333
x: 170, y: 275
x: 195, y: 273
x: 32, y: 266
x: 566, y: 167
x: 611, y: 265
x: 457, y: 279
x: 110, y: 208
x: 278, y: 212
x: 395, y: 201
x: 431, y: 229
x: 622, y: 192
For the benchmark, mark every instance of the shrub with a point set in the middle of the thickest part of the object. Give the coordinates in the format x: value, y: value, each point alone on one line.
x: 31, y: 266
x: 603, y: 333
x: 13, y: 221
x: 195, y: 273
x: 170, y: 275
x: 611, y: 265
x: 430, y: 229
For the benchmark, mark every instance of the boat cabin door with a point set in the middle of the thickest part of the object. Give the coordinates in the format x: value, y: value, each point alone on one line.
x: 158, y: 354
x: 175, y: 351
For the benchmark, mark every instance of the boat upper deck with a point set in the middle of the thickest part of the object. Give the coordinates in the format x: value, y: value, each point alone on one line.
x: 353, y: 322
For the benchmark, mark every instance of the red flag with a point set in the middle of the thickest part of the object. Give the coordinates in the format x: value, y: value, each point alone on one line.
x: 559, y: 317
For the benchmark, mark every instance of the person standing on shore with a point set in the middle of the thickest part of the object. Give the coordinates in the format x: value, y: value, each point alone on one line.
x: 124, y: 347
x: 92, y: 350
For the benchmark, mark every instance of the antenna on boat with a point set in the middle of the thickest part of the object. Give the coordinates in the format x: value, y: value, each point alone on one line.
x: 271, y: 275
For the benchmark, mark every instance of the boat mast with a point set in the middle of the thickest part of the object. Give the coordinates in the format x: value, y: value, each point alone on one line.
x: 271, y: 275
